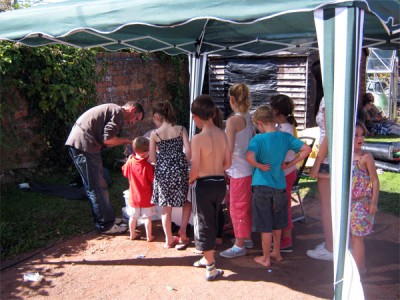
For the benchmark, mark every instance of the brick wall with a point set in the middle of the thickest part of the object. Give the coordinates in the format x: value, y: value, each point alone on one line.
x: 130, y: 76
x: 127, y: 77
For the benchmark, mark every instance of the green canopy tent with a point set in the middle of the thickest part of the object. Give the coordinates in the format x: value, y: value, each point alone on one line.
x: 339, y: 29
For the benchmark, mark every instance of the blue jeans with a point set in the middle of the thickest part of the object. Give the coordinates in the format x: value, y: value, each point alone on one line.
x: 90, y: 167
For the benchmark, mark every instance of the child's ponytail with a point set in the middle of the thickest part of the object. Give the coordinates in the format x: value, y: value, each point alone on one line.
x: 166, y: 111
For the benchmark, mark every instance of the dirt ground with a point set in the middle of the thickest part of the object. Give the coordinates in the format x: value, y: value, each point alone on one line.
x: 92, y: 266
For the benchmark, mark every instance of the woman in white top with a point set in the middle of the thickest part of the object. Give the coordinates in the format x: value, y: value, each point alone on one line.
x: 283, y: 106
x: 239, y: 130
x: 320, y: 170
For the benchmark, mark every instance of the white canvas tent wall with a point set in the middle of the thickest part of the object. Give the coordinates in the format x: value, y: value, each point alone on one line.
x: 201, y: 28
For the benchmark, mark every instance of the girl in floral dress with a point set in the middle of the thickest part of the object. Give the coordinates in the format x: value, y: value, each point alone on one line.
x: 171, y: 174
x: 364, y: 197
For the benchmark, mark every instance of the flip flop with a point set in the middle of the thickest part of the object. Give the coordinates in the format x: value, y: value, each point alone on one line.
x: 182, y: 245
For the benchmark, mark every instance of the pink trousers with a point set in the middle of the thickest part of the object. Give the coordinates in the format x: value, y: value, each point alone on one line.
x: 290, y: 178
x: 240, y: 206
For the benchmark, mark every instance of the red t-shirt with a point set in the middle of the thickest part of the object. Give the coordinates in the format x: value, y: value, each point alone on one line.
x: 140, y: 174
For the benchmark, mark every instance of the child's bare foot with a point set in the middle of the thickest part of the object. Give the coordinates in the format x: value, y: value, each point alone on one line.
x: 262, y: 261
x: 277, y: 258
x: 182, y: 236
x: 151, y: 239
x: 134, y: 236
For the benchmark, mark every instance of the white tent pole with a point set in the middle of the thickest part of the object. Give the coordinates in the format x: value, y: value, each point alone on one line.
x: 197, y: 67
x: 339, y: 33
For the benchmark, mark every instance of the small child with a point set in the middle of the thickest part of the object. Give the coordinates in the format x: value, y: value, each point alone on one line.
x: 364, y: 197
x: 210, y: 158
x: 266, y: 153
x: 283, y: 107
x: 140, y: 174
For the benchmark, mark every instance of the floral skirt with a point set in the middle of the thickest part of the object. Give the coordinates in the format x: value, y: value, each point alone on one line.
x: 361, y: 222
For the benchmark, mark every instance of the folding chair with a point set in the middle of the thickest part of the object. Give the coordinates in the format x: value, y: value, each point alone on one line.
x: 296, y: 187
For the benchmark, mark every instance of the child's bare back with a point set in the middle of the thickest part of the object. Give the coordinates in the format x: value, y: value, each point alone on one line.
x: 210, y: 150
x: 213, y: 148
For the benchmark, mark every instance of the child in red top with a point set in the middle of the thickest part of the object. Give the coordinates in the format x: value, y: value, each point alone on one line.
x: 140, y: 174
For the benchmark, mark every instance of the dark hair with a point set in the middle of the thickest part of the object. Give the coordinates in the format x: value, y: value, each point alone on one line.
x: 140, y: 144
x: 284, y: 105
x: 316, y: 72
x: 165, y: 110
x: 369, y: 96
x: 136, y: 105
x: 218, y: 118
x: 203, y: 107
x: 241, y: 93
x: 366, y: 100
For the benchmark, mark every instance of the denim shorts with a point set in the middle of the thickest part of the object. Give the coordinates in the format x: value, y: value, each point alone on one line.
x: 324, y: 168
x: 269, y: 209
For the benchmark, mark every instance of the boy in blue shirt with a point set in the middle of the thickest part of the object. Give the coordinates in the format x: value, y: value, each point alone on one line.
x: 266, y: 153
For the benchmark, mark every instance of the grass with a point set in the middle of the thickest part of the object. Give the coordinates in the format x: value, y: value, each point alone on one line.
x: 389, y: 194
x: 30, y: 221
x: 383, y: 139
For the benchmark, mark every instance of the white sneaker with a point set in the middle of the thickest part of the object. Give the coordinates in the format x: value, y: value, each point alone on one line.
x: 320, y: 253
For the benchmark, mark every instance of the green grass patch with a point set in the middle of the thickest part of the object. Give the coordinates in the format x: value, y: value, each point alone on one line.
x: 389, y: 194
x: 383, y: 139
x: 31, y: 220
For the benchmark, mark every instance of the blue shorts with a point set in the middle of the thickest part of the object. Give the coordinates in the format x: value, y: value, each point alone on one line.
x: 269, y: 209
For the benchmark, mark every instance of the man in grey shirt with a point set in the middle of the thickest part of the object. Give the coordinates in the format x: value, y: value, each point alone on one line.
x: 94, y: 130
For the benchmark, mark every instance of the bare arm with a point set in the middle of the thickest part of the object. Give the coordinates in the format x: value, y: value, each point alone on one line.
x: 370, y: 164
x: 305, y: 150
x: 251, y: 159
x: 195, y: 161
x: 186, y: 145
x: 116, y: 141
x: 322, y: 153
x: 152, y: 148
x: 228, y: 155
x: 231, y: 134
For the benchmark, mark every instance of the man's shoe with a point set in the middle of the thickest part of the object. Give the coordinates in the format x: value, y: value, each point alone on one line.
x: 113, y: 230
x: 233, y: 252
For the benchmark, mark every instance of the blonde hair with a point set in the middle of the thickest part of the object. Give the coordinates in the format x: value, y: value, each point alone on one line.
x: 241, y: 93
x: 140, y: 144
x: 264, y: 114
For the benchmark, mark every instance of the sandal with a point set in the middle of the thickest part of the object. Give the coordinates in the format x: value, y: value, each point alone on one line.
x: 182, y: 245
x: 199, y: 263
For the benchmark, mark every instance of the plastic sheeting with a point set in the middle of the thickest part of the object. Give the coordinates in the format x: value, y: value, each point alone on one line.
x: 260, y: 75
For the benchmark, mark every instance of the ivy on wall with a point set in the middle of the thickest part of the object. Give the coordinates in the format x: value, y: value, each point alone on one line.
x: 58, y: 82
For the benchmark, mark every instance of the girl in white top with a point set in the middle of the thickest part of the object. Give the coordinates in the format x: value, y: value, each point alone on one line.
x: 239, y: 130
x: 283, y: 106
